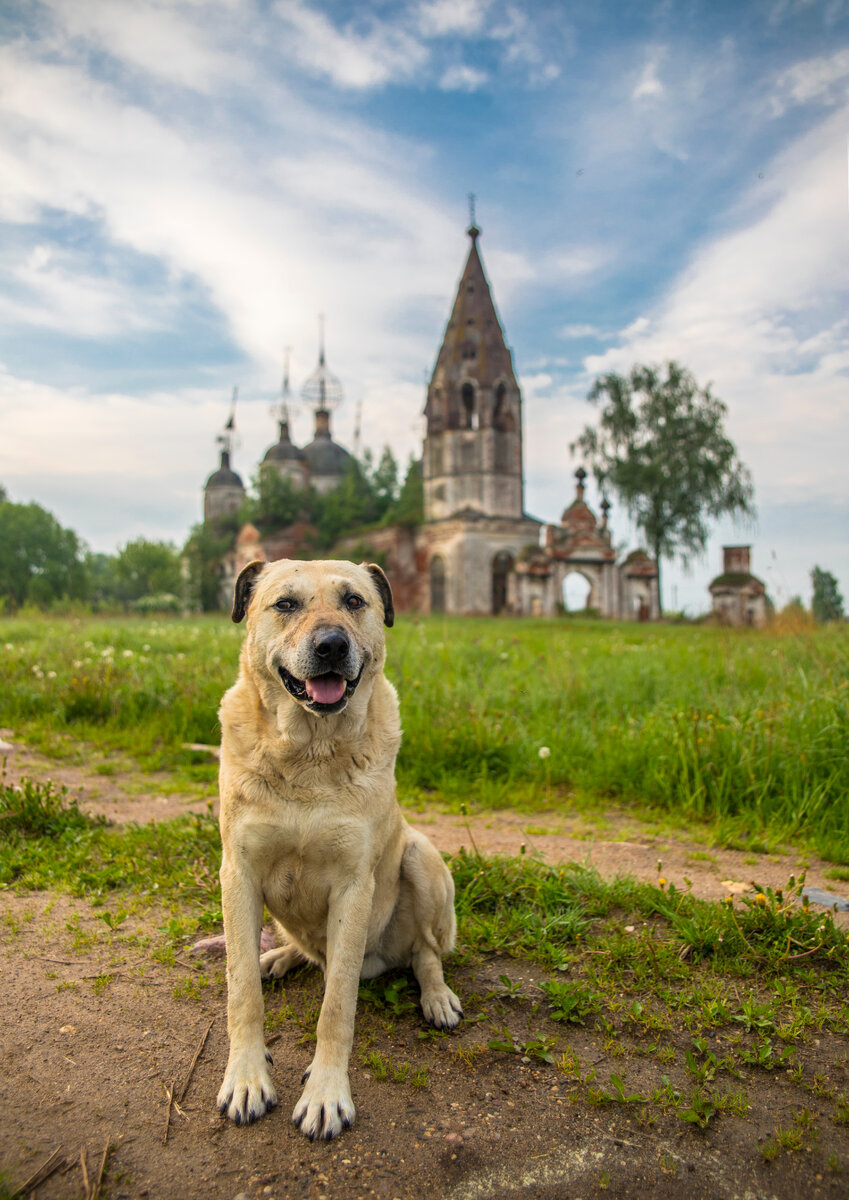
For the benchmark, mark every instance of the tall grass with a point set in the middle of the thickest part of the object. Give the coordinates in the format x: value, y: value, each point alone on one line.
x: 748, y: 728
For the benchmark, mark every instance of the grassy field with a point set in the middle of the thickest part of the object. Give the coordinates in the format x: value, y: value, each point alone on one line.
x: 715, y: 999
x: 746, y: 730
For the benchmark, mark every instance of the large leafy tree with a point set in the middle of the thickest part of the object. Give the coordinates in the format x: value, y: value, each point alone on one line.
x: 39, y: 560
x: 660, y: 446
x: 144, y: 568
x: 827, y: 603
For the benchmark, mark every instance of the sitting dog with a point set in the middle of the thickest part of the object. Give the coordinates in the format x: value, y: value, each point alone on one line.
x: 310, y: 827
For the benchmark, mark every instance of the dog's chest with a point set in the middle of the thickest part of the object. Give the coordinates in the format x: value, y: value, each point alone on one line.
x: 301, y: 857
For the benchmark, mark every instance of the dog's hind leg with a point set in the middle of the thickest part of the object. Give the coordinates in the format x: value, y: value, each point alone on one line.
x: 431, y: 893
x: 274, y: 964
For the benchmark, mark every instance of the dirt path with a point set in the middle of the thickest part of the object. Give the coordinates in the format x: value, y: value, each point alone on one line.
x: 614, y: 841
x: 96, y: 1033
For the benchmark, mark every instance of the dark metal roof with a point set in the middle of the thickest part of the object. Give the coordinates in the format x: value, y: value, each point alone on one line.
x: 285, y: 450
x: 326, y: 457
x: 224, y: 476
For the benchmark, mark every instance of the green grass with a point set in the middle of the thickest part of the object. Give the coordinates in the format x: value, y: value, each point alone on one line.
x: 746, y: 730
x: 690, y: 1004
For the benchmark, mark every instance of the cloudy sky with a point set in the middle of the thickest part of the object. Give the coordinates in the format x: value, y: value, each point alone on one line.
x: 186, y: 184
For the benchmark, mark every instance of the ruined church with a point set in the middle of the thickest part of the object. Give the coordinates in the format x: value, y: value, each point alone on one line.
x: 477, y: 551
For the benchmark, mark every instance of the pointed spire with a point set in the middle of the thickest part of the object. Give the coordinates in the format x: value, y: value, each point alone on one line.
x: 474, y: 343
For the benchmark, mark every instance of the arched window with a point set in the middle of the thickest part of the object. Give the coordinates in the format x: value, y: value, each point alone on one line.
x: 577, y: 591
x: 502, y: 417
x: 470, y: 408
x: 437, y: 584
x: 502, y: 565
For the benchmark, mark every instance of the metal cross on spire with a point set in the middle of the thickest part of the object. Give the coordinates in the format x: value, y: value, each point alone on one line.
x: 227, y: 437
x: 322, y: 391
x: 280, y: 410
x: 473, y: 229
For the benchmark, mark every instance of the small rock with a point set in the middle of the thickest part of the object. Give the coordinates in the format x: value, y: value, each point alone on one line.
x: 828, y: 899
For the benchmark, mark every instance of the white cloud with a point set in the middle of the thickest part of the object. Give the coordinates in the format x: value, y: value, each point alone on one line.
x: 53, y: 290
x: 577, y: 260
x: 648, y: 86
x: 158, y: 38
x: 274, y: 239
x: 825, y: 79
x: 440, y: 18
x: 524, y: 45
x: 759, y: 311
x: 581, y: 331
x: 383, y: 54
x: 462, y: 78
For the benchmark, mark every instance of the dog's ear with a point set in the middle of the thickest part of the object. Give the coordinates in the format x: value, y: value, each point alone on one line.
x: 384, y: 590
x: 244, y: 587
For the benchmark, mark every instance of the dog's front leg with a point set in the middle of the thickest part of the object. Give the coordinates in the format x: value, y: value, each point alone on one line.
x: 325, y: 1107
x: 247, y: 1091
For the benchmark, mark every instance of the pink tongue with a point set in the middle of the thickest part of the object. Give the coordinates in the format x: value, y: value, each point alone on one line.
x: 325, y: 689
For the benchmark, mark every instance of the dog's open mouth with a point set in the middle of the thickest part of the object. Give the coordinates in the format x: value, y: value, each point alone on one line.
x: 322, y: 693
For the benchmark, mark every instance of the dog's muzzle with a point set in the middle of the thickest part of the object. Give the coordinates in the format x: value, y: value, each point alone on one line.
x: 327, y: 688
x: 323, y: 693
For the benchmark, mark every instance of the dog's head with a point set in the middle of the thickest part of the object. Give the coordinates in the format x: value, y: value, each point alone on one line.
x: 315, y: 628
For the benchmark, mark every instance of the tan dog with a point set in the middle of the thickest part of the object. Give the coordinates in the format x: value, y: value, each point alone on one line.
x: 311, y: 827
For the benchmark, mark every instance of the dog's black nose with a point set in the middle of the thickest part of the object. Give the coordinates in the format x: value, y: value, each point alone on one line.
x: 331, y: 645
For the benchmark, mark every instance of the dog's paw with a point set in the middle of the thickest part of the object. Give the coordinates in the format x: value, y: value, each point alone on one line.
x: 247, y: 1092
x: 442, y: 1007
x: 325, y: 1107
x: 274, y: 964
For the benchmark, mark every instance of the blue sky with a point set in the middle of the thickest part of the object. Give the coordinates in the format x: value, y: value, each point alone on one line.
x: 185, y: 186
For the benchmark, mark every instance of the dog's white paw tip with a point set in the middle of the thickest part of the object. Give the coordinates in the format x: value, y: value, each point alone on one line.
x: 245, y: 1100
x: 442, y: 1009
x: 323, y: 1120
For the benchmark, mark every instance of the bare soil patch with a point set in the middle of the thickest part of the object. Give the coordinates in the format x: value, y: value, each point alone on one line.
x: 97, y: 1032
x: 94, y: 1039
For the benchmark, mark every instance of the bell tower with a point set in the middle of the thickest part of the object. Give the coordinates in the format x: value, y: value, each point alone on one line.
x: 473, y: 443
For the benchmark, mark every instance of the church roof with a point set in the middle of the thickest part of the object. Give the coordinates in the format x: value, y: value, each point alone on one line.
x: 285, y: 450
x: 325, y: 456
x: 224, y: 476
x: 737, y: 581
x: 474, y: 340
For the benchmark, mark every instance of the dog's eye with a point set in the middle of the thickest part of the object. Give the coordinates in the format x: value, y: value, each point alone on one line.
x: 353, y: 601
x: 285, y: 605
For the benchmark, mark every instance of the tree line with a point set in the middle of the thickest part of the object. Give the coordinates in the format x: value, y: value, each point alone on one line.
x: 659, y: 445
x: 44, y: 564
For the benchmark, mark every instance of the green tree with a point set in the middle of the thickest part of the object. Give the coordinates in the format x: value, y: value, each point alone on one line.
x: 103, y: 582
x: 39, y: 560
x: 661, y: 447
x: 408, y: 509
x: 384, y: 482
x: 204, y: 550
x: 827, y: 603
x: 275, y: 502
x: 146, y: 568
x: 346, y: 508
